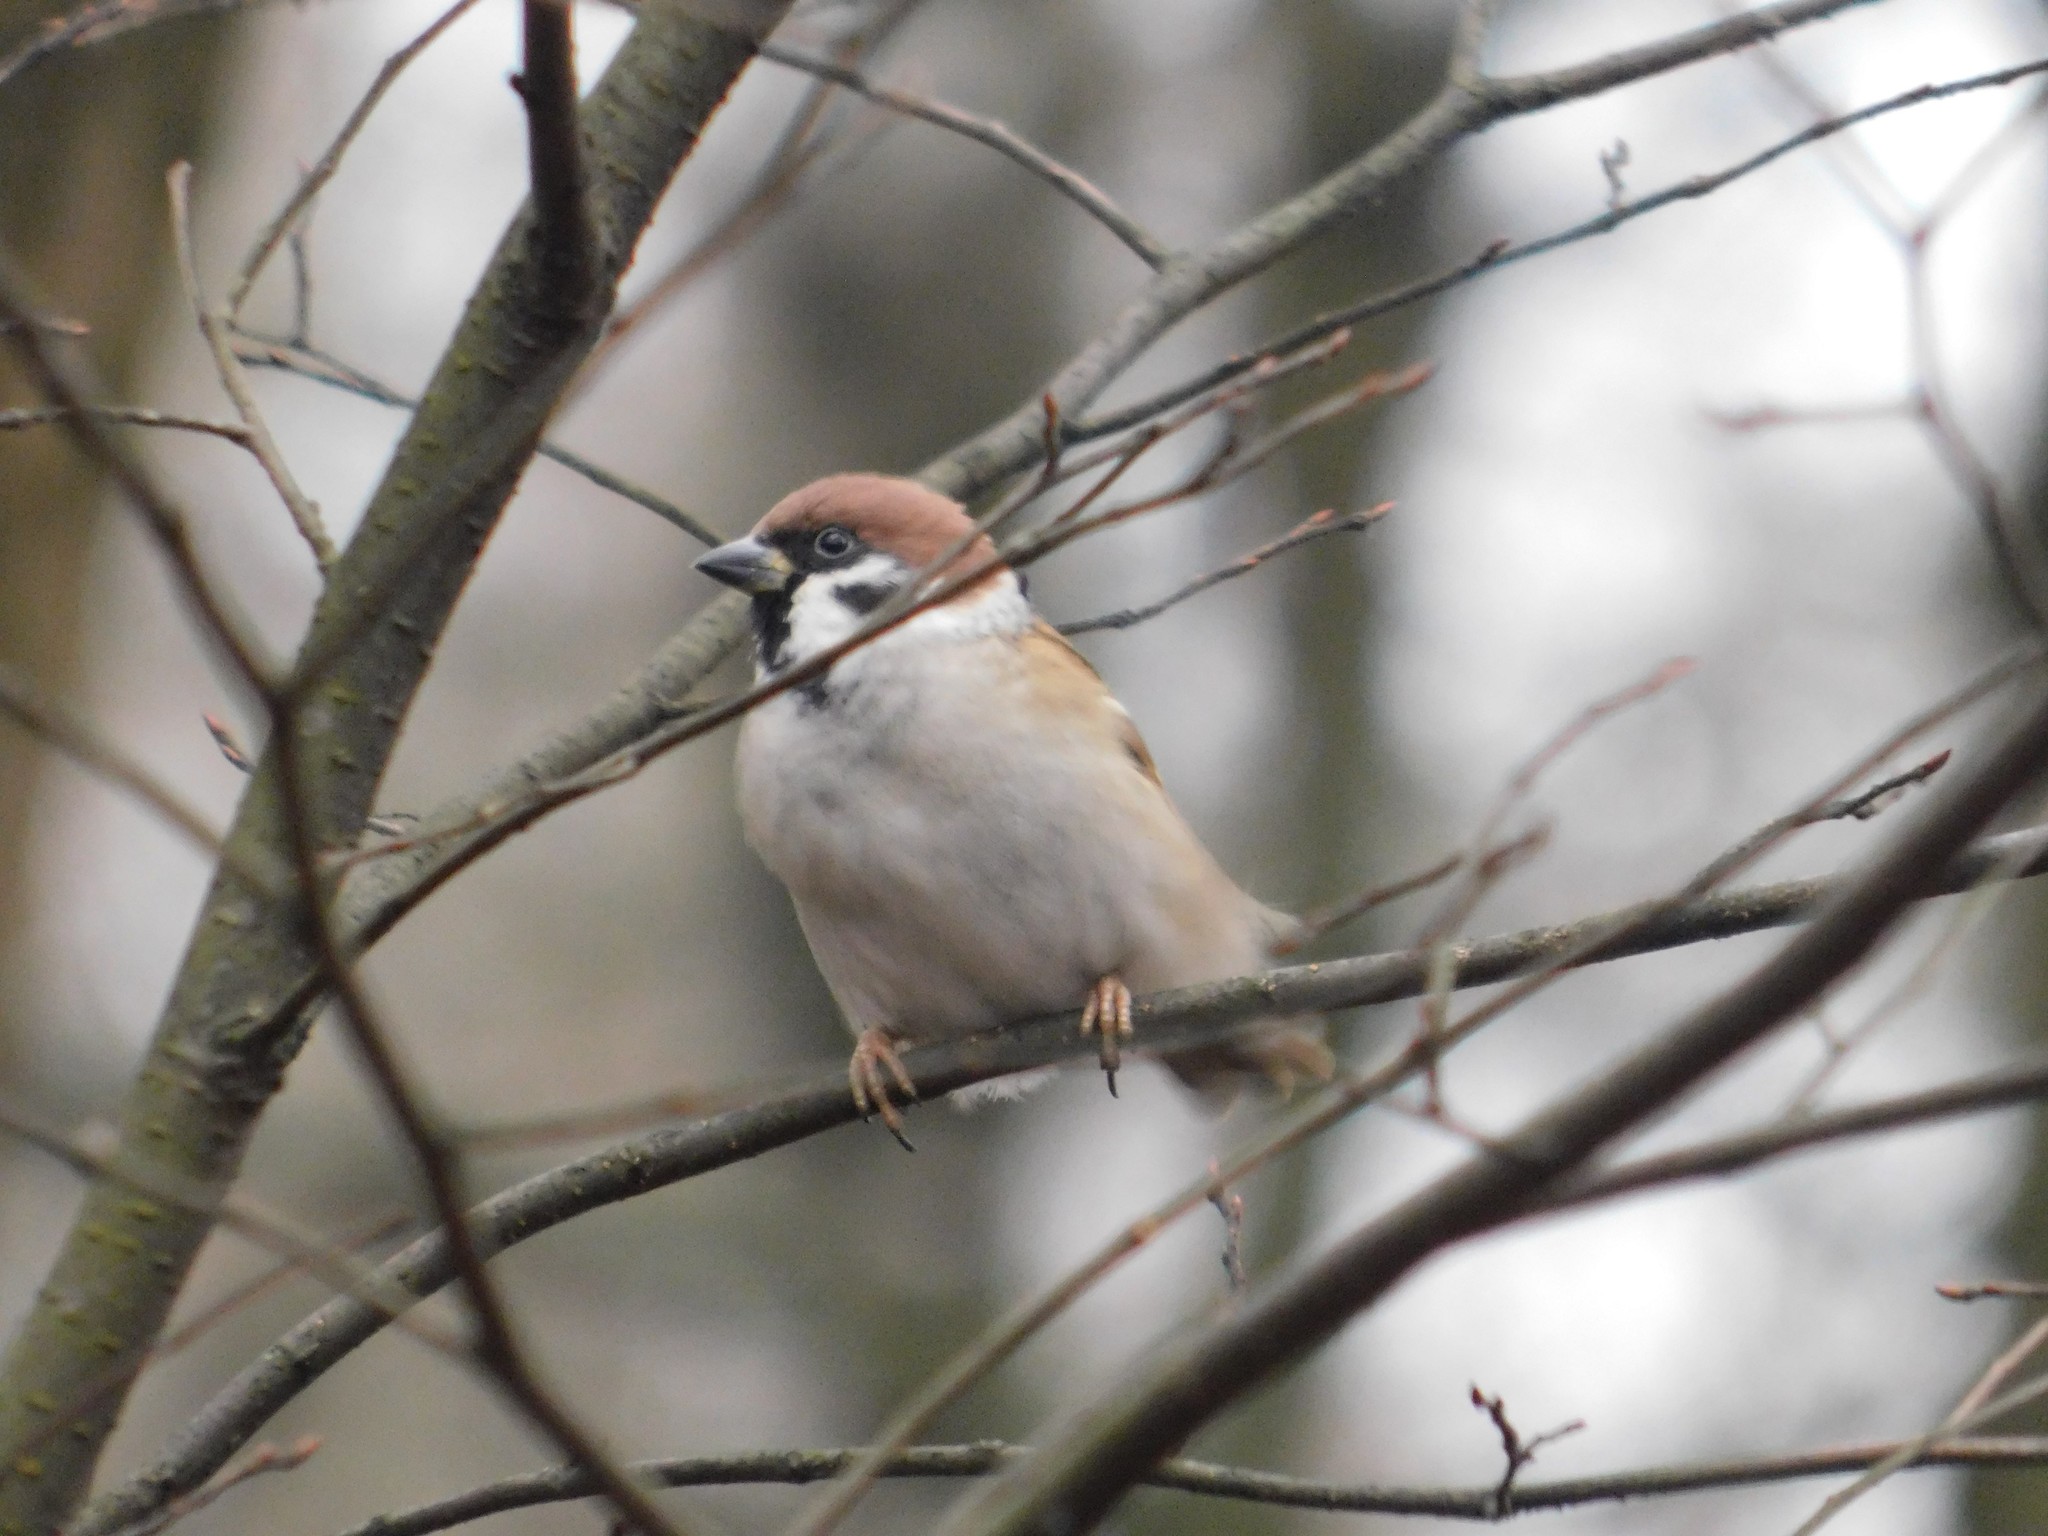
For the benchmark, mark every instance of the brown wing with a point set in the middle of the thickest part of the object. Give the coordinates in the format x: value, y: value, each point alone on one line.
x: 1065, y: 672
x: 1282, y: 1053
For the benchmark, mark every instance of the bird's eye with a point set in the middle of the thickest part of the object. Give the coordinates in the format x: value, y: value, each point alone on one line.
x: 833, y: 543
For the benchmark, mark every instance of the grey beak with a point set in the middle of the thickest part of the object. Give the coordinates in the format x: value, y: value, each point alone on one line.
x: 749, y: 565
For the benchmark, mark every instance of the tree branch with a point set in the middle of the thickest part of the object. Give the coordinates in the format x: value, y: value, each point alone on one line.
x: 1207, y: 1478
x: 1077, y: 188
x: 1197, y: 1015
x: 1188, y: 282
x: 322, y: 367
x: 322, y: 171
x: 1502, y: 253
x: 1099, y: 1452
x: 209, y: 1073
x: 568, y: 248
x: 213, y: 329
x: 1317, y: 526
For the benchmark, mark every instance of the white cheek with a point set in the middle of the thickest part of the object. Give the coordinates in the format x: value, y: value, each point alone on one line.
x: 819, y: 617
x: 817, y: 620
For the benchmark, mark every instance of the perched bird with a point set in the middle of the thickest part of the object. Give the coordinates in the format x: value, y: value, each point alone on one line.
x: 967, y: 820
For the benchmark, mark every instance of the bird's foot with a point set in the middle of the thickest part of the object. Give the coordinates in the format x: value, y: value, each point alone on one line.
x: 1107, y: 1014
x: 873, y: 1051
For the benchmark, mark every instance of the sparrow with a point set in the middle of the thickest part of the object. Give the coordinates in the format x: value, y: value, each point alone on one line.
x: 968, y: 822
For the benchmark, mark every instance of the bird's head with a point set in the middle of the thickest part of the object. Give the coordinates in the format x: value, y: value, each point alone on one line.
x: 827, y: 556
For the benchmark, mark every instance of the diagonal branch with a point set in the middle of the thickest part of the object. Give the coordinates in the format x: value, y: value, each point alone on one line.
x: 212, y: 1067
x: 1462, y: 107
x: 1501, y: 253
x: 1099, y: 1452
x: 1003, y: 140
x: 1317, y: 526
x: 280, y: 228
x: 1194, y: 1016
x: 213, y: 326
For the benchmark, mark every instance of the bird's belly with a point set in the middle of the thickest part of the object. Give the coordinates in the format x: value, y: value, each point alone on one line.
x: 944, y: 879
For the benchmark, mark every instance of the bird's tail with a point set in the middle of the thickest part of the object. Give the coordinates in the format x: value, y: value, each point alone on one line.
x: 1277, y: 1054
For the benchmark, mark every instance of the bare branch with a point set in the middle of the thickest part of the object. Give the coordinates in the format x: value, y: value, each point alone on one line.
x: 1318, y: 526
x: 1501, y: 253
x: 1101, y: 1452
x: 129, y: 416
x: 280, y: 228
x: 321, y: 367
x: 1170, y: 1022
x: 983, y: 130
x: 2026, y: 1290
x: 1516, y: 1451
x: 214, y: 328
x: 1460, y: 109
x: 568, y: 244
x: 1212, y: 1480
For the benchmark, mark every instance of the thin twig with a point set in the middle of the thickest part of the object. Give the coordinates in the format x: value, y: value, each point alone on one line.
x: 662, y: 1157
x: 1208, y: 1479
x: 213, y: 326
x: 219, y: 619
x: 286, y: 355
x: 311, y: 184
x: 1501, y: 253
x: 128, y: 416
x: 984, y: 130
x: 1230, y: 1206
x: 1317, y: 526
x: 1516, y: 1452
x: 2028, y: 1290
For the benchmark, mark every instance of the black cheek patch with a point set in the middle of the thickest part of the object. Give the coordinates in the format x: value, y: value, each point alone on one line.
x: 864, y: 597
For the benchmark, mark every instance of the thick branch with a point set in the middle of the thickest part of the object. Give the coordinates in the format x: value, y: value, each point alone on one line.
x: 554, y: 151
x: 1503, y: 253
x: 1170, y: 1021
x: 209, y: 1071
x: 1464, y: 106
x: 1098, y: 1453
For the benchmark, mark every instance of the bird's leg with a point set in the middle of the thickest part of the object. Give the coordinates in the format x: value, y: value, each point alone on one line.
x: 1107, y: 1013
x: 873, y: 1050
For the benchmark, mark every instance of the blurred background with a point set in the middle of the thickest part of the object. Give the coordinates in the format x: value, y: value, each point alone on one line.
x: 1572, y: 511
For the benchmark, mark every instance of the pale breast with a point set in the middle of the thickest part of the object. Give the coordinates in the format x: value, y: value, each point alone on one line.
x: 960, y: 855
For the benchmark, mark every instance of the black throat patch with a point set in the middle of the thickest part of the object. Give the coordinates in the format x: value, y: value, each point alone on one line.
x: 771, y: 628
